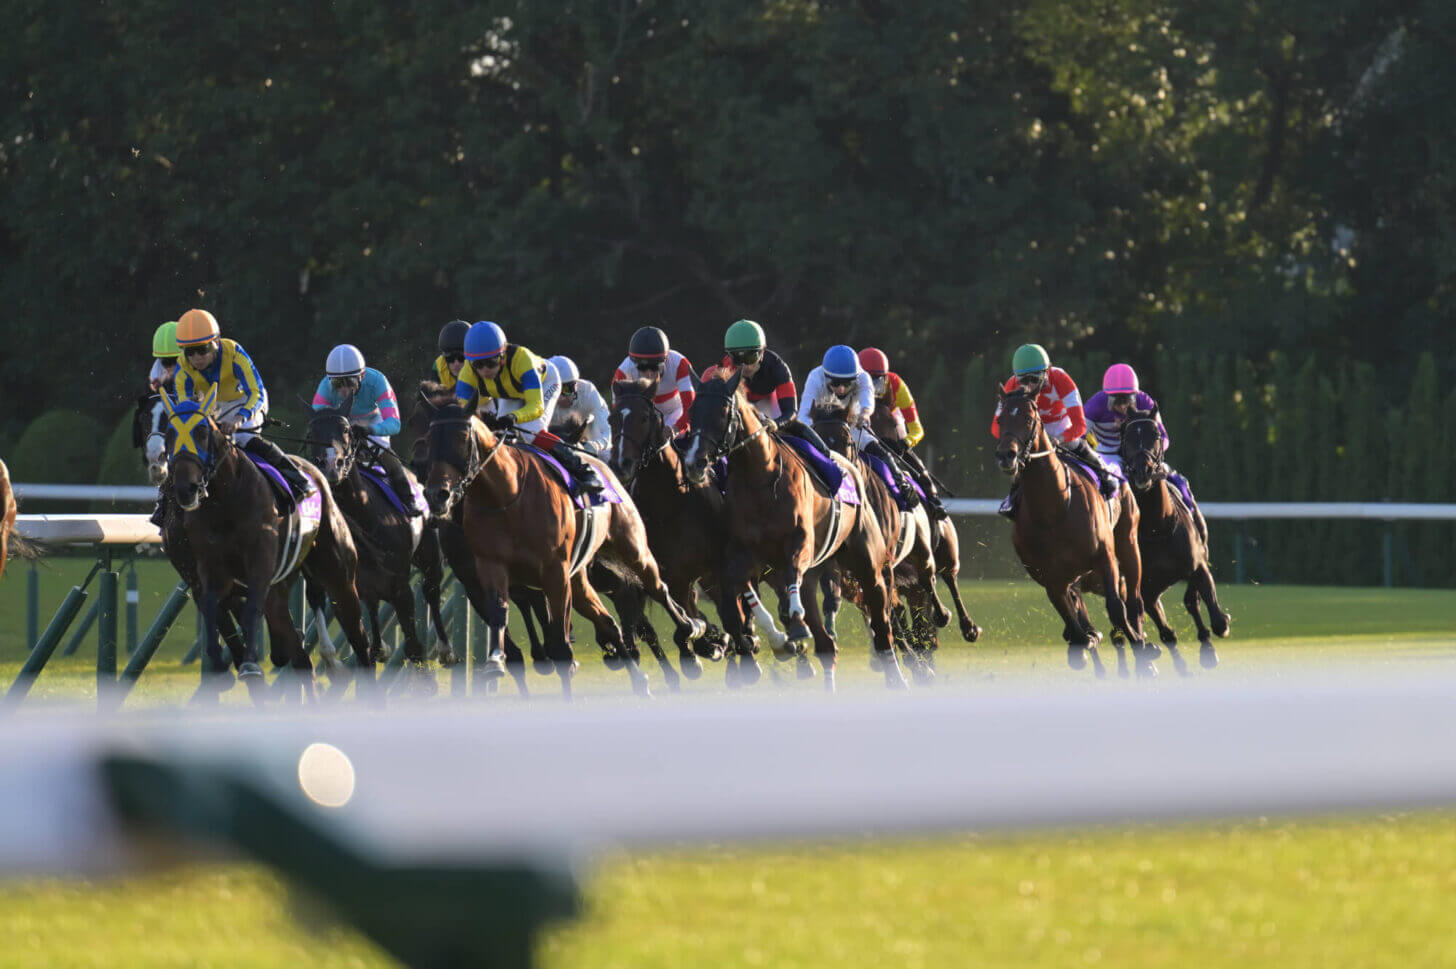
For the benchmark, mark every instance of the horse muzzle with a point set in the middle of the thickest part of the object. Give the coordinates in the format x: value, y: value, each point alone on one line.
x: 1006, y: 461
x: 439, y: 501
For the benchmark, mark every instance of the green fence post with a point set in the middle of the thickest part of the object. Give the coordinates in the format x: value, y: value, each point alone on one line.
x: 79, y: 633
x: 32, y: 606
x: 147, y: 648
x: 1387, y: 550
x: 46, y: 643
x: 458, y: 622
x: 106, y: 634
x: 133, y: 599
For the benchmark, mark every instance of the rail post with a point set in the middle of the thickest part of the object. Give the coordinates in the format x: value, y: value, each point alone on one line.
x: 106, y: 633
x: 459, y: 624
x: 45, y: 644
x: 79, y: 633
x: 147, y: 648
x: 133, y: 599
x: 1387, y: 554
x: 32, y: 606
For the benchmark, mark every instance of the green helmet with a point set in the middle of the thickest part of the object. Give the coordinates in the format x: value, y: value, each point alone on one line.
x: 1029, y: 358
x: 744, y: 335
x: 164, y: 341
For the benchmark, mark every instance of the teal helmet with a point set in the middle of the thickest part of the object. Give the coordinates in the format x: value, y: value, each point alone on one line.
x: 1030, y: 358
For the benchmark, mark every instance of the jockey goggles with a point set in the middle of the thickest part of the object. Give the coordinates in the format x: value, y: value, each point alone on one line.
x: 345, y: 383
x: 568, y: 389
x: 882, y: 383
x: 647, y: 363
x: 840, y: 384
x: 488, y: 363
x: 1032, y: 381
x: 455, y: 357
x: 200, y: 349
x: 1120, y: 400
x: 746, y: 357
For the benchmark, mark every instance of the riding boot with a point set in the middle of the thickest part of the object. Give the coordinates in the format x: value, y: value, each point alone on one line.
x: 921, y: 473
x: 912, y: 497
x: 273, y: 454
x: 1178, y: 481
x: 583, y: 472
x: 1108, y: 483
x: 797, y: 428
x: 399, y: 481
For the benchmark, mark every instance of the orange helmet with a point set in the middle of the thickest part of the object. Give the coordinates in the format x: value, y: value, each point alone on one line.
x: 874, y: 361
x: 196, y: 327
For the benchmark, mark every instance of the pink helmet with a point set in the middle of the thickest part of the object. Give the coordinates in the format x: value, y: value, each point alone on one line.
x: 1120, y: 379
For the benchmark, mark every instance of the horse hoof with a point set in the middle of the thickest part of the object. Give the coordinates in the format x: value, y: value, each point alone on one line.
x: 688, y: 660
x: 970, y: 632
x: 894, y: 679
x: 829, y: 680
x: 1207, y: 655
x: 543, y: 666
x: 446, y: 657
x: 708, y: 649
x: 493, y: 669
x: 1122, y: 670
x: 783, y: 652
x: 730, y: 671
x: 805, y: 669
x: 612, y: 661
x: 942, y: 619
x: 797, y: 631
x: 1077, y: 657
x: 1146, y: 670
x: 250, y: 670
x: 640, y: 687
x: 749, y: 672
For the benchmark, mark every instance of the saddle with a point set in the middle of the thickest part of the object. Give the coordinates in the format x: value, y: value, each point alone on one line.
x: 283, y: 496
x: 825, y: 469
x: 378, y: 477
x: 883, y: 472
x: 579, y: 496
x: 302, y: 516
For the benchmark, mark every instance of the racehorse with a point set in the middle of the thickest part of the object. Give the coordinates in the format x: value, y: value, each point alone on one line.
x: 388, y: 542
x: 523, y: 528
x: 1064, y: 534
x: 1169, y: 541
x: 240, y: 540
x: 149, y: 433
x: 9, y: 538
x: 908, y: 533
x: 780, y: 518
x: 683, y: 518
x: 889, y: 427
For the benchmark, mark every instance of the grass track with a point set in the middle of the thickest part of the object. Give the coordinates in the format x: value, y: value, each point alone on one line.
x: 1364, y: 892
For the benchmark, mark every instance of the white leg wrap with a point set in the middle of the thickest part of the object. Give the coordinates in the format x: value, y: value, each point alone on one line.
x: 325, y: 643
x: 766, y: 621
x: 796, y: 605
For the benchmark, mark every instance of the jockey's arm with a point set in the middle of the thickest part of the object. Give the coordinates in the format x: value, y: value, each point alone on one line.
x: 467, y: 391
x: 813, y: 390
x: 785, y: 394
x: 251, y: 382
x: 685, y: 391
x: 904, y: 402
x: 865, y: 386
x: 528, y: 378
x: 598, y: 437
x: 323, y: 397
x: 386, y: 406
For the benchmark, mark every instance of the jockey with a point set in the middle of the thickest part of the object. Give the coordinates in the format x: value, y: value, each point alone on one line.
x: 650, y: 357
x: 372, y: 409
x: 451, y: 344
x: 835, y: 379
x: 1110, y: 408
x: 581, y: 404
x: 767, y: 381
x: 893, y: 393
x: 210, y: 361
x: 519, y: 390
x: 1060, y: 407
x: 164, y: 353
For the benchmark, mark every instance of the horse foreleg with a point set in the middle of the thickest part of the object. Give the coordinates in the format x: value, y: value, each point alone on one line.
x: 556, y: 585
x: 796, y: 560
x: 585, y: 600
x: 431, y: 563
x: 1201, y: 584
x: 283, y: 634
x: 317, y: 604
x: 1078, y: 642
x: 833, y: 599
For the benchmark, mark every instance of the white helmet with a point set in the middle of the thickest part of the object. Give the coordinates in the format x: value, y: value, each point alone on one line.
x: 345, y: 360
x: 565, y: 368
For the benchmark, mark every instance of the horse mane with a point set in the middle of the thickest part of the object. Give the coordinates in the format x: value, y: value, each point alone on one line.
x: 831, y: 408
x: 641, y: 387
x: 718, y: 383
x: 437, y: 394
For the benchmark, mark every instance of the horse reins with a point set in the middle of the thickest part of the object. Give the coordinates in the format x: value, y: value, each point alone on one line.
x: 474, y: 463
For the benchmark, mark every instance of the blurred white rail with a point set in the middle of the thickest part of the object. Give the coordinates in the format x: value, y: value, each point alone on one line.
x: 555, y: 779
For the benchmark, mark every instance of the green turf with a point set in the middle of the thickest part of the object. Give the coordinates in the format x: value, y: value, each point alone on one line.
x: 1359, y: 893
x: 1369, y: 892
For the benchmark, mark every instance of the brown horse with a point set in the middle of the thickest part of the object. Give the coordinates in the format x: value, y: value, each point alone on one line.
x: 909, y: 535
x: 889, y: 427
x: 10, y: 539
x: 240, y: 540
x: 781, y: 517
x: 524, y: 529
x: 1169, y: 541
x: 1065, y: 535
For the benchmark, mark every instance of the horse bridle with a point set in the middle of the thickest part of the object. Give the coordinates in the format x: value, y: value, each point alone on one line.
x: 1024, y: 454
x: 645, y: 454
x: 209, y: 467
x: 1154, y: 454
x: 723, y: 448
x: 474, y: 462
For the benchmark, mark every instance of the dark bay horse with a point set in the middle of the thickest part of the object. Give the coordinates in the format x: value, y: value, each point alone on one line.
x: 1169, y: 541
x: 909, y: 535
x: 780, y: 517
x: 889, y: 427
x: 1064, y: 535
x: 242, y: 543
x: 684, y: 519
x: 388, y: 542
x: 523, y: 529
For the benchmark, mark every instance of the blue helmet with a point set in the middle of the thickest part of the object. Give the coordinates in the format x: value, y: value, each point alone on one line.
x: 841, y: 362
x: 484, y: 340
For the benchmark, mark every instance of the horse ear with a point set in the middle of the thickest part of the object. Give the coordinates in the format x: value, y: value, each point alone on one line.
x: 210, y: 400
x: 737, y: 379
x: 1000, y: 392
x: 430, y: 409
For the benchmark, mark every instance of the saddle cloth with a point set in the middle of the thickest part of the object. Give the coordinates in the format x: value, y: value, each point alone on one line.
x: 300, y: 524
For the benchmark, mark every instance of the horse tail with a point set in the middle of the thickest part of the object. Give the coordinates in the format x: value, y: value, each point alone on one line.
x: 24, y: 547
